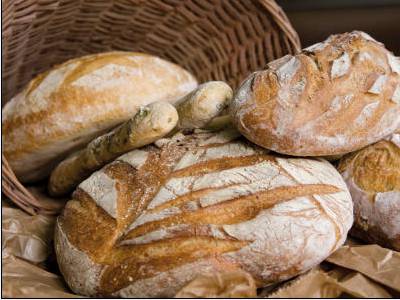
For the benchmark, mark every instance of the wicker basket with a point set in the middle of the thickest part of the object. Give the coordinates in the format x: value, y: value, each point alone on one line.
x: 214, y: 39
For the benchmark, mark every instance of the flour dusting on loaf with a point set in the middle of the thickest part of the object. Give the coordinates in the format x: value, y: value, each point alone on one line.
x: 373, y: 178
x: 204, y: 202
x: 331, y: 99
x: 102, y: 190
x: 64, y: 108
x: 73, y: 261
x: 135, y: 158
x: 340, y: 66
x: 396, y: 95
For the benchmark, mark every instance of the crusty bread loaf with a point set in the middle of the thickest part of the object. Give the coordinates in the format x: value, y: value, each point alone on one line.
x: 148, y: 223
x: 64, y: 108
x: 373, y: 178
x: 332, y: 98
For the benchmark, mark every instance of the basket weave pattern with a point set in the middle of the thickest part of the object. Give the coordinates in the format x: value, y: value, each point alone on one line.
x: 214, y: 39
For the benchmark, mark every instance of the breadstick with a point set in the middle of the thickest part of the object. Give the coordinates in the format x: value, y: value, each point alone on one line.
x: 219, y: 123
x: 203, y: 104
x: 148, y: 125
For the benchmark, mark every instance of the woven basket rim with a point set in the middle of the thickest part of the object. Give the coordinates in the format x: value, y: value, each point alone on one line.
x: 24, y: 198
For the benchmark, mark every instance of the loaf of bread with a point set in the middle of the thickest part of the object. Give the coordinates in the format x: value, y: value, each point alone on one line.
x: 64, y: 108
x: 373, y: 178
x: 332, y: 98
x: 155, y: 218
x: 150, y: 123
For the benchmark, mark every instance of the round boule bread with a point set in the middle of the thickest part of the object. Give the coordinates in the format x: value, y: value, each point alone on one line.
x: 64, y: 108
x: 333, y: 98
x: 155, y: 218
x: 373, y: 178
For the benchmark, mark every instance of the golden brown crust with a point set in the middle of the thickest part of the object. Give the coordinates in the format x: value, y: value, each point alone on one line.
x: 67, y: 106
x: 233, y: 211
x: 373, y: 177
x: 187, y: 206
x: 333, y: 98
x: 375, y: 168
x: 169, y: 254
x: 90, y: 238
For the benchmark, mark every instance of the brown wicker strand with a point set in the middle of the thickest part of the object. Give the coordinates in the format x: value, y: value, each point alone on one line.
x: 283, y: 22
x: 214, y: 39
x: 14, y: 190
x: 23, y: 198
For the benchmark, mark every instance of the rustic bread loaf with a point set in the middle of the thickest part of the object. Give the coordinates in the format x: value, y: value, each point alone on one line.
x: 373, y: 178
x: 64, y: 108
x: 332, y: 98
x: 148, y: 223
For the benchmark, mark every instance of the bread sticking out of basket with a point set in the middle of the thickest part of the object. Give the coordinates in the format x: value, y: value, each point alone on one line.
x: 154, y: 198
x: 213, y: 40
x: 151, y: 123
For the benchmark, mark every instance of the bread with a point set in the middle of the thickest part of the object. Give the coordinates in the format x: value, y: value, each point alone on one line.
x: 148, y: 223
x: 150, y: 123
x: 219, y: 123
x: 203, y: 104
x: 332, y: 98
x: 64, y: 108
x: 373, y: 178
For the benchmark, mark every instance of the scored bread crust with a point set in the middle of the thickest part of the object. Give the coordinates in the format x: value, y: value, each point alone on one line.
x: 373, y: 178
x: 332, y: 98
x: 156, y: 217
x: 67, y: 106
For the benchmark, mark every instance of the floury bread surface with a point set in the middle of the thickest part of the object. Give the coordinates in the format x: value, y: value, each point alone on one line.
x: 148, y: 223
x: 373, y: 178
x: 64, y: 108
x: 332, y: 98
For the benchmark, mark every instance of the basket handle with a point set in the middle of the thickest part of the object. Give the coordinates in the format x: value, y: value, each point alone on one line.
x: 283, y: 22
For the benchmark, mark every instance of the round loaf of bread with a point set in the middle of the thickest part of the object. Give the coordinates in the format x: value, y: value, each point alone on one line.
x: 155, y: 218
x: 64, y: 108
x: 373, y: 178
x: 333, y: 98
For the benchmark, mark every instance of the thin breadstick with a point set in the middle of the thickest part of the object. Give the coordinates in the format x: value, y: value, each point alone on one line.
x: 151, y: 123
x: 203, y: 104
x: 219, y: 123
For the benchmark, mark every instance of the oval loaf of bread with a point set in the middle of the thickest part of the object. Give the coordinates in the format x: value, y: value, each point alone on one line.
x: 332, y: 98
x: 149, y: 222
x: 64, y: 108
x: 373, y: 178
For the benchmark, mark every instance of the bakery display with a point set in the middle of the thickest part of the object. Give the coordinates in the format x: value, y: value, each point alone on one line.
x: 150, y: 123
x: 63, y: 109
x: 149, y: 222
x: 332, y: 98
x: 373, y: 178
